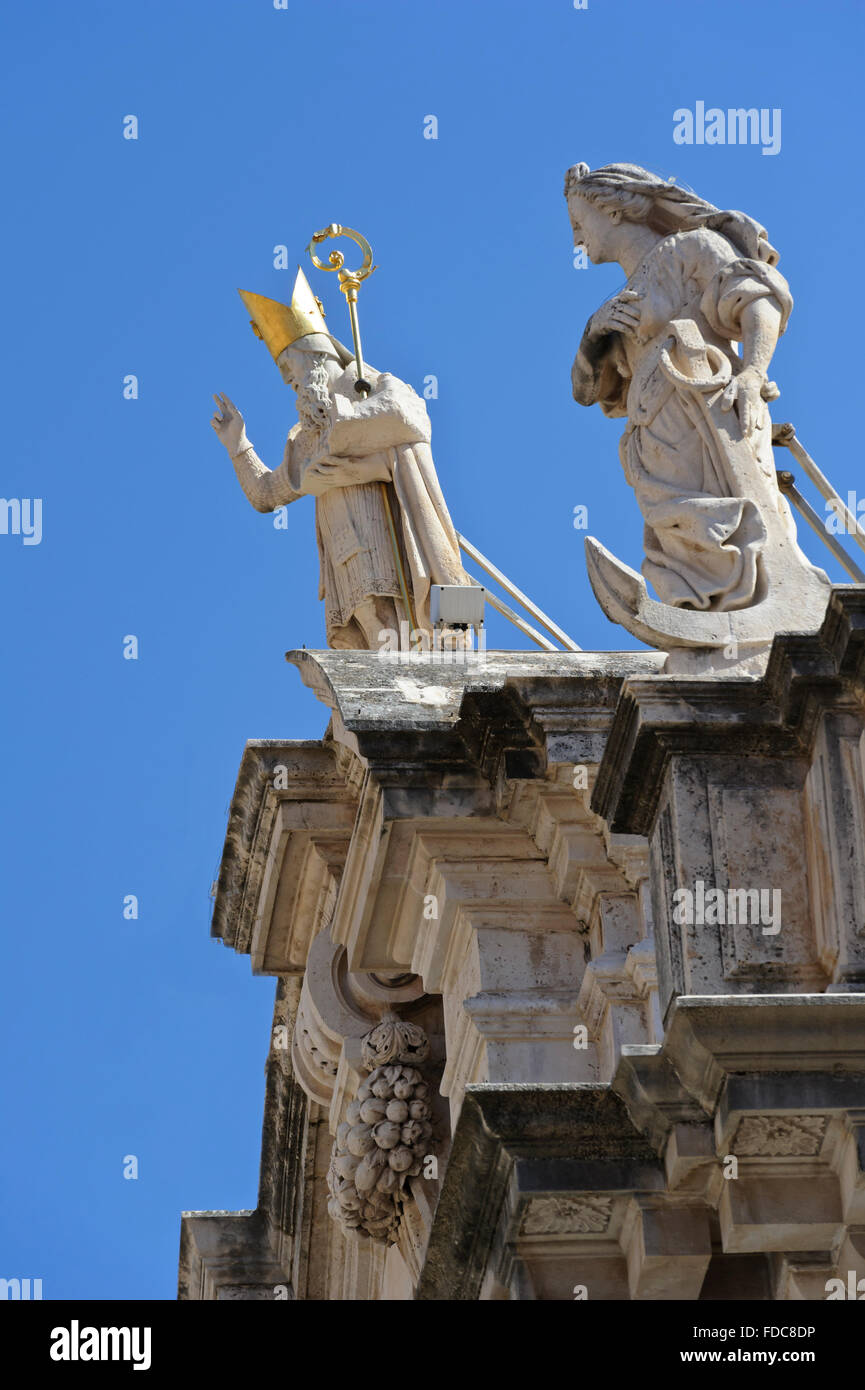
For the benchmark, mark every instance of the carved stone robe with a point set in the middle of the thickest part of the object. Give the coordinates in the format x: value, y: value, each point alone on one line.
x: 383, y: 439
x: 702, y: 541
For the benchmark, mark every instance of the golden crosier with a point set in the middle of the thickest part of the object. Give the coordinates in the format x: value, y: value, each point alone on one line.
x: 349, y: 280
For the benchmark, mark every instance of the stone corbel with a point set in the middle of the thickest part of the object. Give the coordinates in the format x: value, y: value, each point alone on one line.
x: 616, y: 995
x: 849, y: 1163
x: 674, y: 1124
x: 668, y: 1247
x: 337, y: 1010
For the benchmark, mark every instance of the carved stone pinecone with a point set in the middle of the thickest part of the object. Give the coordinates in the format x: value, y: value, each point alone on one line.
x: 380, y: 1144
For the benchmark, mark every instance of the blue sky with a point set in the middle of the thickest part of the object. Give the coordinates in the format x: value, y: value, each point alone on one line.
x: 258, y: 126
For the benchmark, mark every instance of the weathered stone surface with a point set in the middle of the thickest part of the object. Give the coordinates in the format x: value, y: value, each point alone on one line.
x: 684, y: 351
x: 515, y: 1146
x: 474, y: 861
x: 753, y: 791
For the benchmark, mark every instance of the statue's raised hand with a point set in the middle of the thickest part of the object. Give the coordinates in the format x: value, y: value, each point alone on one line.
x: 229, y: 426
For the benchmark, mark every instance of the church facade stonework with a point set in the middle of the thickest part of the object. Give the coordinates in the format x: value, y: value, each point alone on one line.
x: 570, y: 946
x: 616, y: 1102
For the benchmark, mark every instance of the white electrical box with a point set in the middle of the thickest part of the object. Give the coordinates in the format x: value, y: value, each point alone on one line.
x: 457, y: 605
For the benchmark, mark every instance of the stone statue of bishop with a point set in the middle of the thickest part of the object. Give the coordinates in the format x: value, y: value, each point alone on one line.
x: 341, y: 450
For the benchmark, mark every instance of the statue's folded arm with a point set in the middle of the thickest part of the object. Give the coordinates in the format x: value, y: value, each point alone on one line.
x: 392, y: 415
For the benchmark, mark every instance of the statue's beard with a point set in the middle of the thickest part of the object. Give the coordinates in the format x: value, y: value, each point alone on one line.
x: 313, y: 400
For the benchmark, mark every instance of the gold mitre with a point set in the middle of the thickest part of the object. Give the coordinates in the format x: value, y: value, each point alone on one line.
x: 280, y: 325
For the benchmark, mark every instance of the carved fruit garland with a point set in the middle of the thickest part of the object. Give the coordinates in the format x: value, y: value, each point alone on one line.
x: 385, y: 1135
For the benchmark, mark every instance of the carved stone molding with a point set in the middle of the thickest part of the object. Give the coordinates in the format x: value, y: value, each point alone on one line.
x: 385, y: 1136
x: 775, y: 1136
x: 393, y: 1040
x: 318, y: 1058
x: 338, y: 1008
x: 580, y: 1215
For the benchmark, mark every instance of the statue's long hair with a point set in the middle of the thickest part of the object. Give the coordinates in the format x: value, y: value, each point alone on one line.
x: 664, y: 206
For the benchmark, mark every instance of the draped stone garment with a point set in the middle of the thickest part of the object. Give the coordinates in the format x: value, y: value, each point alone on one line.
x: 355, y: 552
x: 702, y: 545
x: 383, y: 439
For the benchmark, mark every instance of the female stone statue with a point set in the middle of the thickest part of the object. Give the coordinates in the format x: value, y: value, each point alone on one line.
x: 697, y: 448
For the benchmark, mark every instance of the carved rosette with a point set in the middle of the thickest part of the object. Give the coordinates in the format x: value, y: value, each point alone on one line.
x: 567, y: 1215
x: 779, y: 1136
x: 393, y: 1040
x: 385, y: 1135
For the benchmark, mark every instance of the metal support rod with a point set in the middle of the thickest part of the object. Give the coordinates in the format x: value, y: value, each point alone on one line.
x: 512, y: 617
x: 815, y: 521
x: 489, y: 568
x: 786, y: 435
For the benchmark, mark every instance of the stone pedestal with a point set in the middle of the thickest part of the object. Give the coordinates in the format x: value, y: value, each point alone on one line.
x: 751, y: 794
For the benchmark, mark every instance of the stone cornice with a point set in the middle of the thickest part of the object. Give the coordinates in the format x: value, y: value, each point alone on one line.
x: 505, y: 717
x: 711, y: 1038
x: 313, y: 771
